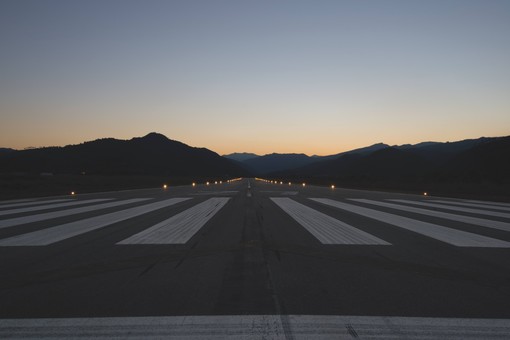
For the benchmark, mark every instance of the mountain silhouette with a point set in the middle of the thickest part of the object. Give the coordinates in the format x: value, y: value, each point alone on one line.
x: 241, y: 156
x: 153, y: 154
x: 475, y: 165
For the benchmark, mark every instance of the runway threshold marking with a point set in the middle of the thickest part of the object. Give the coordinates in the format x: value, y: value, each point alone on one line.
x: 326, y: 229
x: 444, y: 234
x: 180, y: 228
x: 257, y: 327
x: 54, y: 214
x: 447, y: 216
x: 32, y: 202
x: 61, y: 232
x: 488, y: 202
x: 476, y: 205
x: 51, y: 206
x: 454, y: 208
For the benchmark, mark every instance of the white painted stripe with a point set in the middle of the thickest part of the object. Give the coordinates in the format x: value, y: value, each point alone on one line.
x: 326, y: 229
x: 61, y: 232
x: 447, y: 216
x: 489, y: 202
x: 180, y: 228
x: 18, y: 200
x: 454, y: 208
x: 256, y: 327
x: 54, y: 214
x: 32, y: 202
x: 476, y: 205
x: 51, y: 206
x: 444, y: 234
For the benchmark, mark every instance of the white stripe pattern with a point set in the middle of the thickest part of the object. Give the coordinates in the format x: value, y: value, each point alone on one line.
x: 180, y: 228
x: 447, y: 216
x: 32, y: 202
x: 326, y: 229
x: 452, y: 236
x: 454, y: 208
x: 249, y: 327
x: 51, y: 206
x: 476, y: 205
x: 64, y: 231
x: 54, y: 214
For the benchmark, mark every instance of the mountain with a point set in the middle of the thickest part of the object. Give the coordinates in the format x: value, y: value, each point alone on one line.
x: 277, y: 162
x: 241, y: 157
x: 153, y: 154
x: 481, y: 163
x: 5, y: 151
x: 361, y: 151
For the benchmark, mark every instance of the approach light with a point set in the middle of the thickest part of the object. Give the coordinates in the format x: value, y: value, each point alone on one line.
x: 215, y: 182
x: 207, y: 183
x: 304, y: 184
x: 333, y: 186
x: 425, y: 194
x: 73, y: 193
x: 193, y: 184
x: 165, y: 186
x: 221, y: 182
x: 290, y: 183
x: 281, y: 182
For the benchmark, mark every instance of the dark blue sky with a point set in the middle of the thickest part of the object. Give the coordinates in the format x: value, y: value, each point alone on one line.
x: 285, y: 76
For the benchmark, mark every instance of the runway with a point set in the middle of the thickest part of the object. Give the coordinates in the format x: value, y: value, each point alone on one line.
x: 263, y: 260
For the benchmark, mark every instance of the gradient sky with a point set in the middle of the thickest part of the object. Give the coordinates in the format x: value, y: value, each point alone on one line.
x: 318, y: 77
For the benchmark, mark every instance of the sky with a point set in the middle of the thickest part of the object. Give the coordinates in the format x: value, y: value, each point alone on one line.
x: 317, y: 77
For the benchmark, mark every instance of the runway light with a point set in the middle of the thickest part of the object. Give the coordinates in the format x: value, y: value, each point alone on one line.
x: 215, y: 182
x: 165, y: 186
x: 304, y: 184
x: 221, y: 182
x: 193, y: 184
x: 290, y: 183
x: 333, y: 187
x: 207, y: 183
x: 281, y: 182
x: 425, y: 194
x: 72, y: 193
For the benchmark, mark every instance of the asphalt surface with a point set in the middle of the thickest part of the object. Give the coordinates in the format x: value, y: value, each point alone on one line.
x: 245, y: 254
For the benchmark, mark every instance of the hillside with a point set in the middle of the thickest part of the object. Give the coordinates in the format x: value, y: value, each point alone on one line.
x: 153, y: 154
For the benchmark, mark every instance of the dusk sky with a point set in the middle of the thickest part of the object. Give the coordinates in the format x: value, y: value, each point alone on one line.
x: 318, y: 77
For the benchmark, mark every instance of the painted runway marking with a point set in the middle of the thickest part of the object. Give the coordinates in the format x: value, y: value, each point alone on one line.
x: 326, y: 229
x: 54, y: 214
x: 454, y: 208
x: 447, y: 216
x: 444, y: 234
x: 256, y: 327
x: 18, y: 200
x: 32, y: 202
x: 180, y: 228
x: 51, y: 206
x: 489, y: 202
x: 476, y: 205
x: 61, y: 232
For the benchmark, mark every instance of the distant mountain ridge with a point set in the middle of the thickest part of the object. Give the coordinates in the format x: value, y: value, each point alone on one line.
x: 476, y: 165
x: 241, y: 156
x: 276, y: 163
x: 153, y: 154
